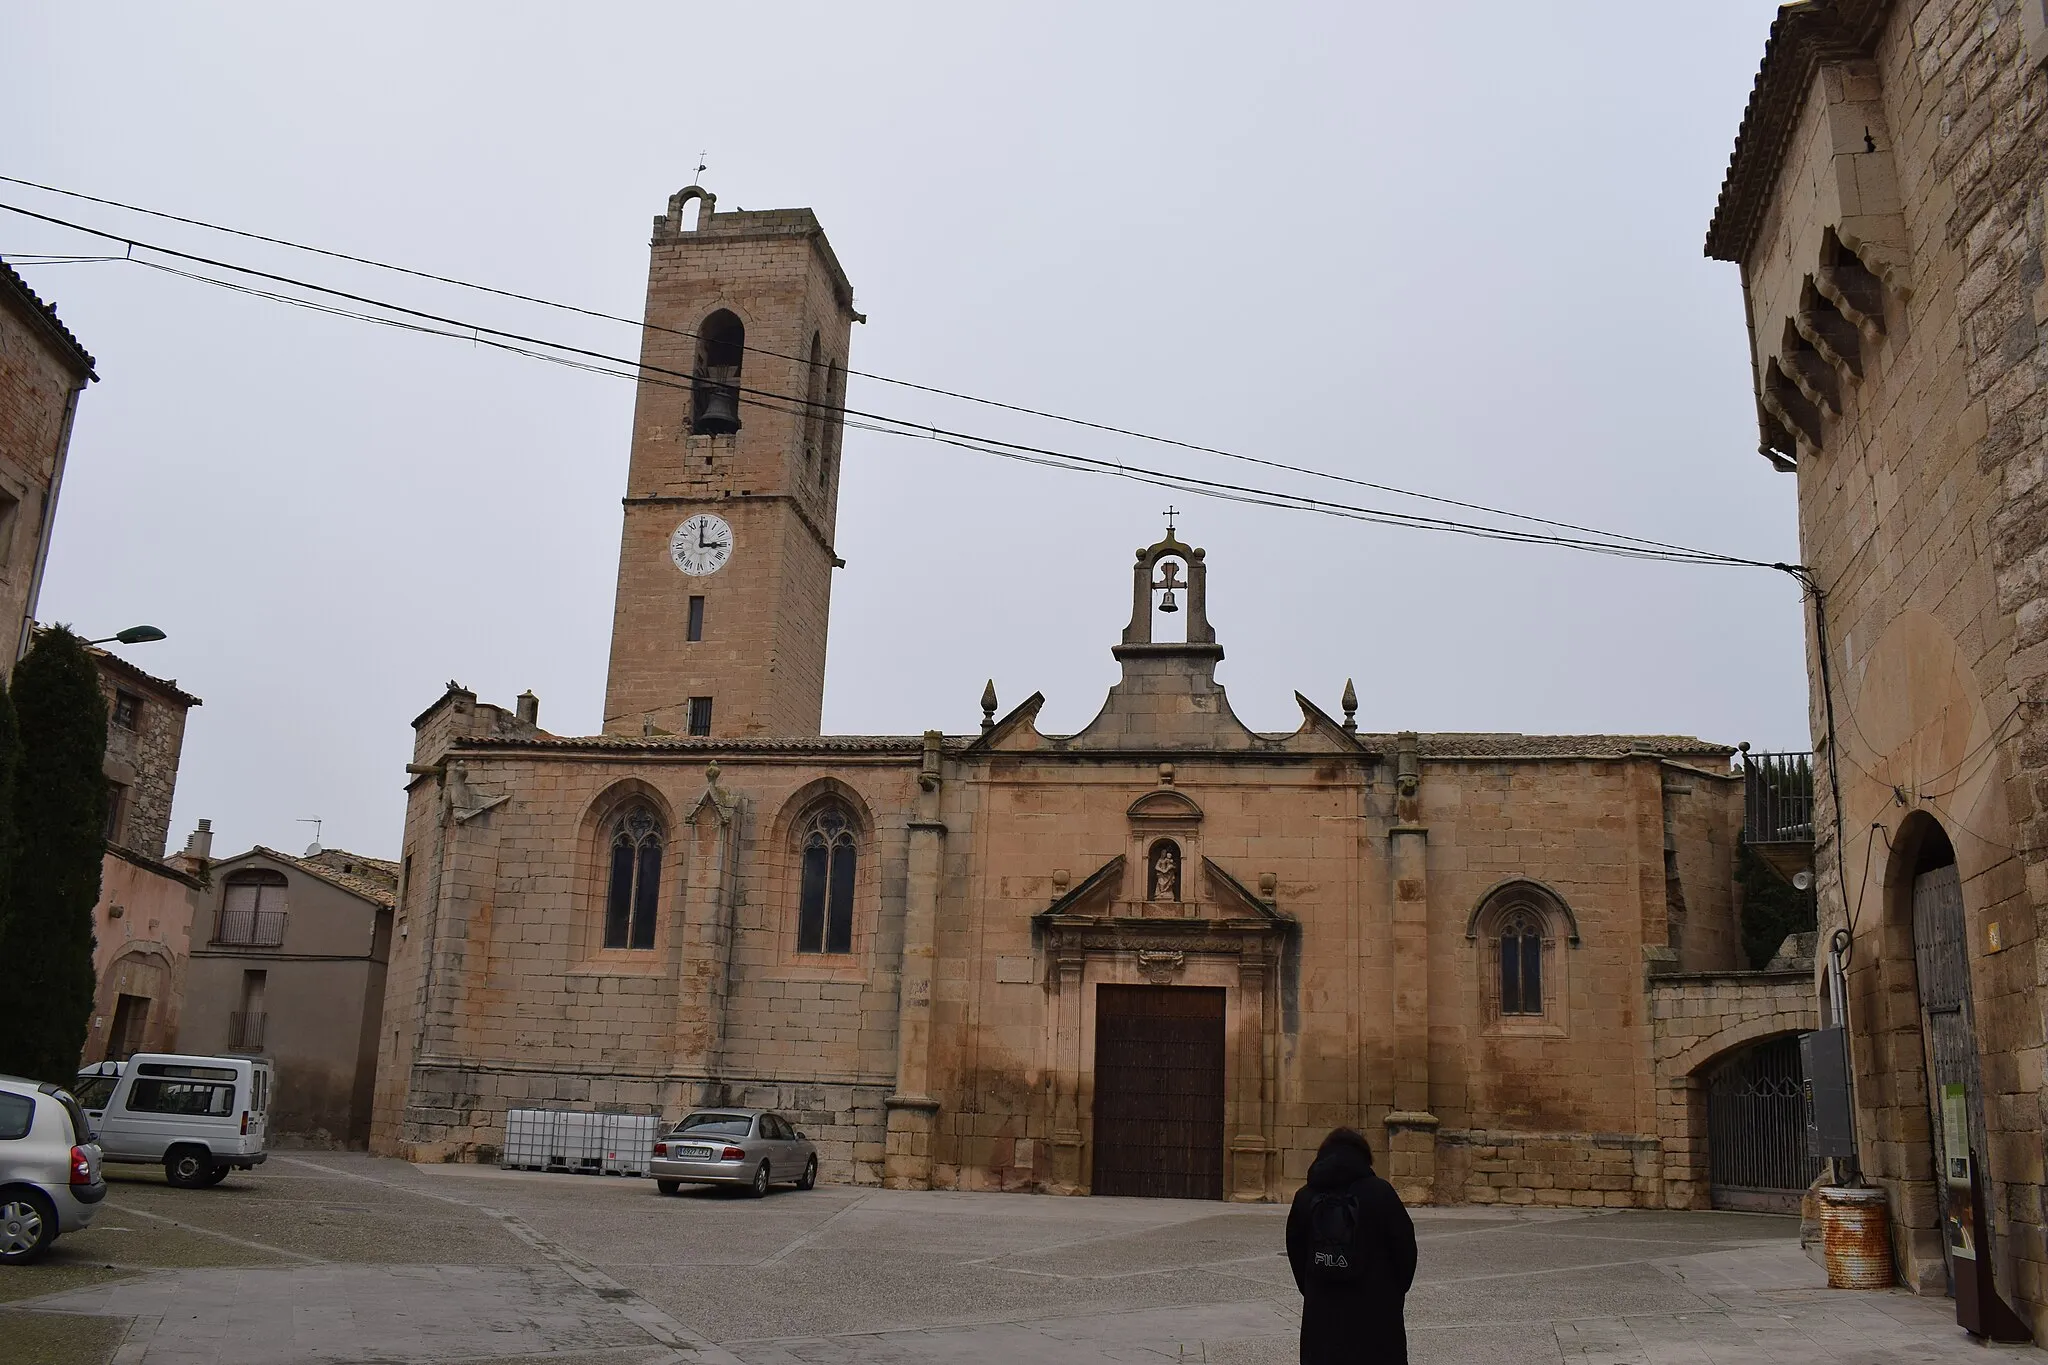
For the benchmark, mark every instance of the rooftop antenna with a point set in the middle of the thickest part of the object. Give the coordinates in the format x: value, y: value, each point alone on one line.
x: 313, y: 850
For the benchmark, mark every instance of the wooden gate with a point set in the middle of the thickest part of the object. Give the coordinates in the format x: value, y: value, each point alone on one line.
x: 1947, y: 1017
x: 1159, y: 1091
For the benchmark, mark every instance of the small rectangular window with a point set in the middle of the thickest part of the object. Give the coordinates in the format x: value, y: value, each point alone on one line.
x: 117, y: 803
x: 127, y: 711
x: 696, y: 619
x: 700, y: 715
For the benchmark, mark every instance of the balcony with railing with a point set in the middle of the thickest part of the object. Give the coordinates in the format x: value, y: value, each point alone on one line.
x: 249, y: 927
x: 1777, y: 797
x: 245, y: 1031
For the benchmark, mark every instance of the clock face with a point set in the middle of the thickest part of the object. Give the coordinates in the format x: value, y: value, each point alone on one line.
x: 701, y: 545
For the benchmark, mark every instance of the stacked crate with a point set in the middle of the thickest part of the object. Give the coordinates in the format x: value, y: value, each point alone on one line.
x: 578, y: 1141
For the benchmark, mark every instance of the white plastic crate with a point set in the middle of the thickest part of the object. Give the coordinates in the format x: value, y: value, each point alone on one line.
x: 629, y: 1143
x: 529, y: 1139
x: 578, y: 1141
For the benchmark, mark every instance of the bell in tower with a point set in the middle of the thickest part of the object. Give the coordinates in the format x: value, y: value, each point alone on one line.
x: 726, y: 555
x: 715, y: 384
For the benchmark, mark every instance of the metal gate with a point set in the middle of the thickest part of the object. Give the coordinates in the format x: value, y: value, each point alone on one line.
x: 1159, y: 1091
x: 1947, y: 1018
x: 1756, y: 1130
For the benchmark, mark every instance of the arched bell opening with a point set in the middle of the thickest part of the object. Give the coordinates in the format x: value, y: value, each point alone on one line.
x: 1170, y: 588
x: 715, y: 387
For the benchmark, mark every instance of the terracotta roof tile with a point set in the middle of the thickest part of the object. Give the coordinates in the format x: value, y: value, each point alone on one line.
x: 373, y: 888
x: 44, y: 316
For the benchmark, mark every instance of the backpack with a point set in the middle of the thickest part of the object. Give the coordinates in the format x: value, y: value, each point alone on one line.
x: 1334, y: 1254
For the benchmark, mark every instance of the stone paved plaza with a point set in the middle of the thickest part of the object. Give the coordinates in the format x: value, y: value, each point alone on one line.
x: 337, y: 1257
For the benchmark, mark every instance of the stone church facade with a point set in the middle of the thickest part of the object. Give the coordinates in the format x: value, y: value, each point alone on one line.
x: 1163, y: 955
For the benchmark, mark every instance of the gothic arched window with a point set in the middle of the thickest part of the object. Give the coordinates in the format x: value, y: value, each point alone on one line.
x: 1521, y: 962
x: 715, y: 384
x: 824, y: 914
x: 1520, y: 930
x: 635, y: 886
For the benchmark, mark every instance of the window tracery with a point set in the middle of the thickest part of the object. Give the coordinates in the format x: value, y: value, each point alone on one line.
x: 827, y: 854
x: 633, y: 892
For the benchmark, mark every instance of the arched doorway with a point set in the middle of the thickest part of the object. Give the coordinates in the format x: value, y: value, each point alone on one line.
x: 1757, y: 1157
x: 1948, y: 1022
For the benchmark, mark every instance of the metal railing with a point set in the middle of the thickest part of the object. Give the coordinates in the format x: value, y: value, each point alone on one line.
x: 250, y: 928
x: 1777, y: 797
x: 245, y: 1031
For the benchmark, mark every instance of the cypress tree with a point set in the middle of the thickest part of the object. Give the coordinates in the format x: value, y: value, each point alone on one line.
x: 10, y: 762
x: 60, y: 819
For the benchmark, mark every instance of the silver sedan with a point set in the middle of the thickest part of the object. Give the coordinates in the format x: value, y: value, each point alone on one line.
x: 755, y: 1148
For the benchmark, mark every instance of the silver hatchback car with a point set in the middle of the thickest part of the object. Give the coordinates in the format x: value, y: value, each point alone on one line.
x: 755, y: 1148
x: 50, y: 1180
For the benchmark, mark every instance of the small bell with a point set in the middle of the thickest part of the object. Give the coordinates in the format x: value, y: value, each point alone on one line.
x: 1166, y: 603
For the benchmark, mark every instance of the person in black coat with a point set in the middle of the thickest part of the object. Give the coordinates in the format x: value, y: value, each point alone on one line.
x: 1351, y: 1295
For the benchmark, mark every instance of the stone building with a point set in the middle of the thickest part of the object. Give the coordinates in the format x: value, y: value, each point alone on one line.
x: 1885, y: 205
x: 291, y: 967
x: 142, y: 926
x: 1163, y: 955
x: 43, y: 370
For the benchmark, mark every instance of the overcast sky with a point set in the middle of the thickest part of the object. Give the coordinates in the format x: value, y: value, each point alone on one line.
x: 1452, y: 248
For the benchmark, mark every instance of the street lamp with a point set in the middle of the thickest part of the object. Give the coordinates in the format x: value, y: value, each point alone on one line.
x: 134, y: 635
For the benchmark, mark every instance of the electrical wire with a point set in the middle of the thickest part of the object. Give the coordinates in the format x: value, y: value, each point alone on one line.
x: 601, y: 362
x: 935, y: 390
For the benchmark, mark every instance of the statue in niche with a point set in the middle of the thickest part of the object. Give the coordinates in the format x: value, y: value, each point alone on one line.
x: 1164, y: 876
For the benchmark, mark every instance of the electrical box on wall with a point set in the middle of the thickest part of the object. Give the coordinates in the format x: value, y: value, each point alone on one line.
x: 1824, y: 1083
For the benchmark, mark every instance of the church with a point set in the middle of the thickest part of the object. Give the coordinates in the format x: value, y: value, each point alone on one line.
x: 1161, y: 956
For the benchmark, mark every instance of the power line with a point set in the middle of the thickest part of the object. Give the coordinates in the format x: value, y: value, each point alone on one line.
x: 586, y: 358
x: 935, y: 390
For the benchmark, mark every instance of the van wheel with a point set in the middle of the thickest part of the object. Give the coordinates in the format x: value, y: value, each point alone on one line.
x: 188, y: 1167
x: 217, y: 1174
x: 28, y: 1224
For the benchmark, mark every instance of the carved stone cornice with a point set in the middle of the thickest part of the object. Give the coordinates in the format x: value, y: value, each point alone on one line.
x: 1804, y: 38
x: 1259, y: 938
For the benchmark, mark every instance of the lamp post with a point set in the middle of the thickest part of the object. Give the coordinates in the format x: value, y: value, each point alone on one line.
x: 134, y: 635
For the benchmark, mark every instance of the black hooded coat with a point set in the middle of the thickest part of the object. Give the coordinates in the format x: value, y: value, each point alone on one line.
x: 1359, y: 1323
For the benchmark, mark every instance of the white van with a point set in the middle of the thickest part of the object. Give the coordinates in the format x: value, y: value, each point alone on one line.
x: 200, y: 1116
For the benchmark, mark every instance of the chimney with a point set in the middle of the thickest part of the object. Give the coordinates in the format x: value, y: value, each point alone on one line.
x: 529, y: 709
x: 198, y: 849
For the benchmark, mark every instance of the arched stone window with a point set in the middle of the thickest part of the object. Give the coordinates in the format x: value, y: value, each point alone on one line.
x: 1519, y: 927
x: 1162, y: 871
x: 634, y: 889
x: 715, y: 386
x: 826, y: 853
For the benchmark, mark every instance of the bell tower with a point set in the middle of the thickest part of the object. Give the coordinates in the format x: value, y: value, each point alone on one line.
x: 732, y: 492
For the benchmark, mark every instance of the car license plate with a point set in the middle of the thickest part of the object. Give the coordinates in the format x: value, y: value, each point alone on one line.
x: 694, y: 1153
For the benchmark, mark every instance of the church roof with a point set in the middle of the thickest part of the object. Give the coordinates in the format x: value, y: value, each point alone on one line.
x: 1509, y: 745
x: 1483, y: 745
x: 793, y: 744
